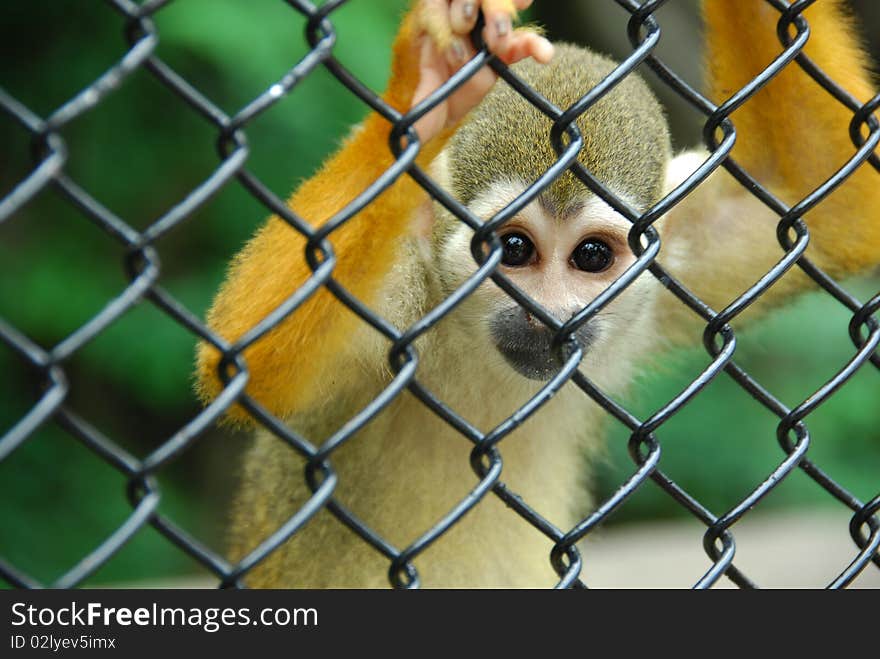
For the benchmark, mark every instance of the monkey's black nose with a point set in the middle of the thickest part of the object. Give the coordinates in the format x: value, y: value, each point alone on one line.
x: 527, y: 345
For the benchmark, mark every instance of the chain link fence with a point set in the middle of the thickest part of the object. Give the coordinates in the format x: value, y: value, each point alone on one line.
x: 49, y: 368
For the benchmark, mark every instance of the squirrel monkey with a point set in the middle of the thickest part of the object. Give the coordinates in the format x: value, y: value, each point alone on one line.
x: 403, y: 254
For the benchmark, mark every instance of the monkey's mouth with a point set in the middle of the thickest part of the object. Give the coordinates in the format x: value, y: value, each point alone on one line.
x: 527, y: 345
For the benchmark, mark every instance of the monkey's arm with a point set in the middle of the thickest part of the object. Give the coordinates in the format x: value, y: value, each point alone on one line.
x: 290, y: 365
x: 791, y: 137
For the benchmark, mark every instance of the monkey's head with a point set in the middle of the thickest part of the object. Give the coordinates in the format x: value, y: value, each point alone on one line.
x: 568, y: 245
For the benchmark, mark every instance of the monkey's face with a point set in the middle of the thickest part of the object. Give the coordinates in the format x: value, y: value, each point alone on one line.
x: 562, y: 256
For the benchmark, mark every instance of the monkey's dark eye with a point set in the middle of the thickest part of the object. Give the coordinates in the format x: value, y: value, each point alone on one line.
x: 518, y: 249
x: 592, y: 255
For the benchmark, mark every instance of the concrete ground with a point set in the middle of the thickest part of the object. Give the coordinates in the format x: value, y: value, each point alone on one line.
x: 777, y: 551
x: 801, y: 550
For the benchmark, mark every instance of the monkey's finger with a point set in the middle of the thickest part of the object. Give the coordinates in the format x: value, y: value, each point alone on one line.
x: 460, y: 51
x: 499, y: 15
x: 462, y: 18
x: 434, y: 21
x: 432, y: 75
x: 528, y: 43
x: 463, y: 15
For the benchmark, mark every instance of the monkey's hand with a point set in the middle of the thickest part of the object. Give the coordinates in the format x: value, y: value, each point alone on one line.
x: 439, y: 32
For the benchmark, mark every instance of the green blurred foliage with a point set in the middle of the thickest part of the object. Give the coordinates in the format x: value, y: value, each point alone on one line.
x: 141, y: 151
x: 723, y: 444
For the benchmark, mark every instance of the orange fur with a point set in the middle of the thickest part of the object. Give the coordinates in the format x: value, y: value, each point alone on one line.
x: 793, y: 135
x: 284, y: 363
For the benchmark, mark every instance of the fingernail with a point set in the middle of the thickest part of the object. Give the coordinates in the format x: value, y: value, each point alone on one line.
x: 458, y: 50
x: 502, y: 26
x: 468, y: 9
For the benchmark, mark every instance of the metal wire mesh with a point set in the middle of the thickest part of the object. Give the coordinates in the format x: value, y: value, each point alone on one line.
x: 141, y: 261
